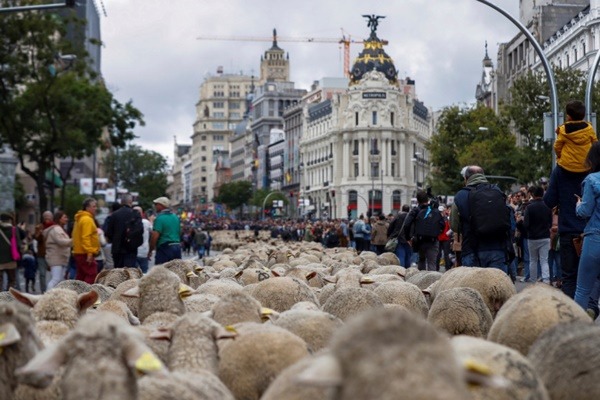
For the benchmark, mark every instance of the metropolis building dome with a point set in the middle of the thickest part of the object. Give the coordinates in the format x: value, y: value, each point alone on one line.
x: 373, y: 57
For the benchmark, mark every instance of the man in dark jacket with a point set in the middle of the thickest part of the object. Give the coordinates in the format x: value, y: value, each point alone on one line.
x: 115, y: 234
x: 538, y: 221
x: 426, y: 244
x: 395, y: 230
x: 477, y: 251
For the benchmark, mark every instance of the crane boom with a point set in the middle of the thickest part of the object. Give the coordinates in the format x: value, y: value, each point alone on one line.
x: 344, y: 40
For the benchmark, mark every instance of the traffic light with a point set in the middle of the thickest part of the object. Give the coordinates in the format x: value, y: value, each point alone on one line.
x: 70, y: 3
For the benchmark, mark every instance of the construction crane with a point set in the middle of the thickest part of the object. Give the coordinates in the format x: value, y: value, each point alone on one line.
x: 345, y: 40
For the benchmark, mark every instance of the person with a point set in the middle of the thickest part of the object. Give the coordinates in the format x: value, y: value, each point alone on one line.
x: 588, y: 207
x: 396, y: 229
x: 58, y: 248
x: 200, y: 242
x: 100, y: 257
x: 122, y: 254
x: 444, y: 240
x: 488, y: 251
x: 85, y: 242
x: 538, y: 222
x: 29, y: 264
x: 554, y: 253
x: 379, y: 235
x: 360, y: 231
x: 165, y: 233
x: 209, y: 239
x: 142, y: 251
x: 47, y: 221
x: 423, y: 225
x: 574, y: 139
x: 331, y: 238
x: 8, y: 264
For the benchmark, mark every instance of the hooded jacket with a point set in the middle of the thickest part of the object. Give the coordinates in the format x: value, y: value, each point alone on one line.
x: 85, y: 234
x: 589, y: 208
x: 573, y: 142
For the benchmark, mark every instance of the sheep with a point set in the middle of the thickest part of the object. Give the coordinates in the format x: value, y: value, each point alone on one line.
x: 259, y: 353
x: 309, y: 276
x: 6, y: 297
x: 388, y: 354
x: 104, y: 292
x: 461, y: 311
x: 424, y: 279
x: 252, y: 275
x: 388, y: 259
x: 493, y: 284
x: 281, y: 294
x: 389, y: 269
x: 314, y: 327
x: 57, y: 311
x: 120, y: 309
x: 114, y: 277
x: 349, y: 301
x: 404, y: 294
x: 521, y: 378
x: 157, y: 321
x: 566, y: 358
x: 132, y: 302
x: 369, y: 264
x: 286, y: 385
x: 199, y: 302
x: 101, y: 356
x: 410, y: 271
x: 193, y: 343
x: 159, y: 290
x: 183, y: 386
x: 525, y: 316
x: 18, y: 344
x: 326, y: 292
x: 186, y: 271
x: 236, y: 307
x: 75, y: 285
x: 219, y: 287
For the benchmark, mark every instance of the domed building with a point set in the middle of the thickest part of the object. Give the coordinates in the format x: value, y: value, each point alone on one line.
x: 363, y: 150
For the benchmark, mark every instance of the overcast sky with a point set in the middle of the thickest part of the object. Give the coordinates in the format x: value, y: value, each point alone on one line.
x: 151, y: 54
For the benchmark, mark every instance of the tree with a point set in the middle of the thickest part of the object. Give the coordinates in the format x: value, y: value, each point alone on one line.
x: 139, y: 170
x: 466, y: 137
x: 50, y: 107
x: 261, y: 194
x: 234, y: 194
x: 528, y: 103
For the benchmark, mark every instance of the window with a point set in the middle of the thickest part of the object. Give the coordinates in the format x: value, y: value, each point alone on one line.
x: 203, y: 158
x: 234, y: 93
x: 218, y: 125
x: 219, y: 93
x: 356, y: 118
x: 234, y: 115
x: 203, y: 169
x: 355, y: 170
x: 374, y: 149
x: 203, y: 189
x: 355, y: 151
x: 218, y: 104
x: 203, y: 148
x: 374, y: 117
x: 219, y: 114
x: 393, y: 169
x: 392, y: 118
x: 203, y: 179
x: 204, y: 137
x: 218, y: 138
x: 374, y: 170
x: 234, y: 105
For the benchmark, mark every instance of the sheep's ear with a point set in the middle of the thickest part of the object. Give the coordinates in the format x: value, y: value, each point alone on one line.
x: 133, y: 320
x: 330, y: 279
x: 40, y: 370
x: 8, y: 335
x: 86, y: 300
x: 191, y: 274
x: 325, y: 370
x: 478, y: 374
x: 311, y: 275
x: 161, y: 334
x: 227, y: 332
x: 365, y: 280
x: 239, y: 274
x: 185, y: 291
x: 133, y: 292
x: 275, y: 273
x: 28, y: 299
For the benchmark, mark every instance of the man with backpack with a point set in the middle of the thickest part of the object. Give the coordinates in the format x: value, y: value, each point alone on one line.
x: 201, y: 239
x: 125, y: 230
x: 481, y: 215
x: 423, y: 226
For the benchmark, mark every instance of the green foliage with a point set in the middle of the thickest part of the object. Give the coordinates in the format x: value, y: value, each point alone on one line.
x: 50, y: 107
x: 261, y: 194
x: 234, y: 194
x: 73, y: 201
x: 20, y: 198
x: 470, y: 137
x: 139, y: 170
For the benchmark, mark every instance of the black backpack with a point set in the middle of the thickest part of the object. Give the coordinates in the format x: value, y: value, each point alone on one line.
x: 428, y: 223
x: 134, y: 232
x: 489, y: 215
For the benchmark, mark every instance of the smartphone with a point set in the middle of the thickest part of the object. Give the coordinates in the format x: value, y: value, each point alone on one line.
x: 578, y: 196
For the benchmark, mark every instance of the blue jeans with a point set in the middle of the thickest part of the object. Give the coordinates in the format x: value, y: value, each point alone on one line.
x: 201, y: 250
x: 589, y: 269
x: 142, y: 263
x: 167, y: 252
x: 525, y: 249
x: 554, y: 263
x: 404, y: 253
x: 486, y: 259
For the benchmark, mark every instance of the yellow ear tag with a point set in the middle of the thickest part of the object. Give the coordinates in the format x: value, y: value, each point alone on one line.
x: 474, y: 366
x: 148, y: 362
x: 2, y: 336
x: 230, y: 328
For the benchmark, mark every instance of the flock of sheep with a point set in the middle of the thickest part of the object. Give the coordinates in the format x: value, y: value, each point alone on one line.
x: 295, y: 322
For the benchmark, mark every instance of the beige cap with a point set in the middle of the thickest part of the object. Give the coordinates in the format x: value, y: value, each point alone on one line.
x: 162, y: 201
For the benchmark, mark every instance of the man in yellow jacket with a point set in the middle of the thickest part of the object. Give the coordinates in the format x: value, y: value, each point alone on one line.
x: 85, y: 242
x: 574, y: 139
